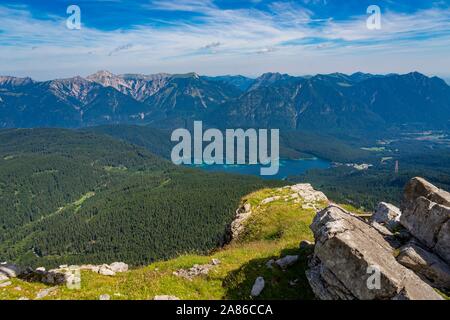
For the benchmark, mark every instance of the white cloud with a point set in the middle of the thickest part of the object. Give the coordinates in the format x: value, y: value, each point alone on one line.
x: 47, y: 49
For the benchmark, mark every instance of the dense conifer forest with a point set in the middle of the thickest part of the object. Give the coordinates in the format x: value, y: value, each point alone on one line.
x: 79, y: 197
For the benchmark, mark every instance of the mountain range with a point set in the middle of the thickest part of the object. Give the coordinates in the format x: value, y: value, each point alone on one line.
x: 332, y: 102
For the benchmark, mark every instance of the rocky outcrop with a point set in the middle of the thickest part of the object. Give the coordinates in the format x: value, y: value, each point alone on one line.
x: 63, y: 275
x: 308, y: 193
x: 426, y: 264
x: 387, y: 215
x: 398, y: 254
x: 303, y: 194
x: 196, y: 270
x: 10, y: 270
x: 426, y: 213
x: 242, y: 215
x: 352, y: 260
x: 118, y: 267
x: 286, y: 261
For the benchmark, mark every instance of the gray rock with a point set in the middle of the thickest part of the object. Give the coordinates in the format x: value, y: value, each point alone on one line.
x: 54, y: 277
x: 442, y: 247
x: 106, y: 271
x: 10, y: 270
x: 104, y: 297
x: 286, y: 261
x: 118, y: 267
x: 426, y: 264
x: 258, y: 287
x: 346, y: 249
x: 325, y: 284
x: 270, y: 199
x: 165, y: 297
x: 387, y: 234
x: 387, y: 215
x: 215, y: 262
x: 3, y: 277
x: 5, y: 284
x: 305, y: 244
x: 242, y: 215
x: 196, y: 270
x: 403, y: 235
x: 308, y: 193
x: 426, y: 213
x: 45, y: 292
x: 418, y: 187
x: 269, y: 264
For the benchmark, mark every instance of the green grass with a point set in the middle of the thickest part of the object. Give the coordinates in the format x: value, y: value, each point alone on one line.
x: 354, y: 209
x: 273, y: 231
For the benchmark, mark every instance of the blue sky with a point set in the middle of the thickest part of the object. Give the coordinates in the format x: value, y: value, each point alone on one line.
x: 223, y: 37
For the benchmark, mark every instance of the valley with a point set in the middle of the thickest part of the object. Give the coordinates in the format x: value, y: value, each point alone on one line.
x: 86, y: 176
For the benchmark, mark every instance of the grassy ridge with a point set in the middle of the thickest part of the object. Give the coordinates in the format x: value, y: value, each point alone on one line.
x: 274, y: 230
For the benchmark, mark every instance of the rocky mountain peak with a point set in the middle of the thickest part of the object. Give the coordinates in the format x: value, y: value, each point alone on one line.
x: 103, y: 77
x: 138, y: 86
x: 102, y: 74
x: 8, y: 81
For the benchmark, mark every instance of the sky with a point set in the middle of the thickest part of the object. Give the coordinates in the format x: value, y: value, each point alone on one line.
x: 218, y: 37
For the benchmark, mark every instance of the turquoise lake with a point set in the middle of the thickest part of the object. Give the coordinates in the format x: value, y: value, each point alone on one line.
x: 287, y: 168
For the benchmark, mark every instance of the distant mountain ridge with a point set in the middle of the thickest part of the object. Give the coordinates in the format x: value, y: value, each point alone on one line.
x: 324, y: 102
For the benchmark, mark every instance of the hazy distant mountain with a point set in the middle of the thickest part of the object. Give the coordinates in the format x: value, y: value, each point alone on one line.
x: 268, y: 79
x: 13, y: 82
x: 241, y: 82
x: 333, y: 102
x: 188, y: 97
x: 172, y: 100
x: 340, y: 102
x: 73, y: 102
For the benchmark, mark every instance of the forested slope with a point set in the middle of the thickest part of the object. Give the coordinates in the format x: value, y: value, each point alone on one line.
x: 78, y: 197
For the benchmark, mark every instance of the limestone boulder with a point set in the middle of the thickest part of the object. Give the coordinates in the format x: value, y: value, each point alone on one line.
x: 353, y: 261
x: 258, y: 287
x: 118, y: 267
x: 10, y: 270
x: 426, y: 213
x: 426, y: 264
x: 387, y: 215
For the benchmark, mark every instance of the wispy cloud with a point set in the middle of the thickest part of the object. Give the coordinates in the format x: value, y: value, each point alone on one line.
x: 298, y: 39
